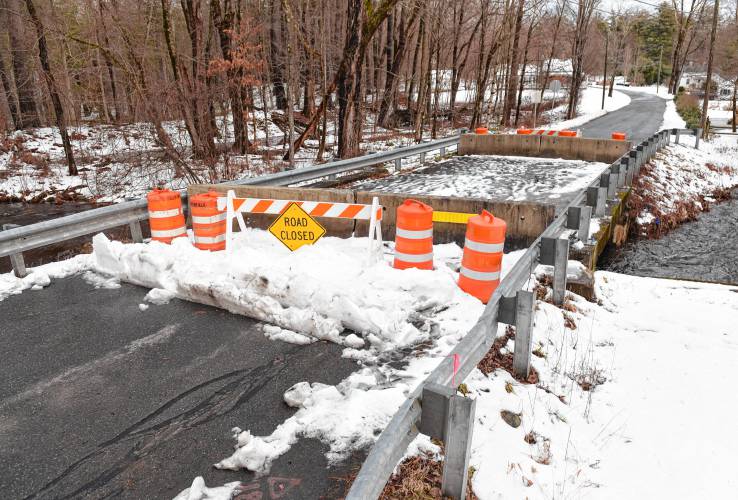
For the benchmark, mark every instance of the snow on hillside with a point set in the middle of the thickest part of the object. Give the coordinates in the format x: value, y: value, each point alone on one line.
x: 682, y: 181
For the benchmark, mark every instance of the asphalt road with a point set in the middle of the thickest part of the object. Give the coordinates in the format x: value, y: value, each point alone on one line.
x: 639, y: 120
x: 99, y: 399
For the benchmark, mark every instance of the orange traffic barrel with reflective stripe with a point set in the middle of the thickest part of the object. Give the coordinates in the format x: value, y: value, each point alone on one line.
x: 414, y: 236
x: 481, y: 130
x: 165, y: 215
x: 524, y: 131
x: 208, y: 223
x: 618, y: 136
x: 482, y: 260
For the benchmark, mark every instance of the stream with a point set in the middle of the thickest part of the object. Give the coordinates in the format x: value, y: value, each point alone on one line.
x: 30, y: 213
x: 702, y: 250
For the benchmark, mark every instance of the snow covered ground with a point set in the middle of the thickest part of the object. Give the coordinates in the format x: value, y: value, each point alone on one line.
x: 630, y: 402
x: 118, y: 163
x: 511, y: 178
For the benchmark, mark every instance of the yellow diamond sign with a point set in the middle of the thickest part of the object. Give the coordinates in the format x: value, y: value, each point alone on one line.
x: 295, y: 228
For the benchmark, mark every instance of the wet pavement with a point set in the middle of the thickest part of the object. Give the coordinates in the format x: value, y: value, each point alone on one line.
x: 702, y: 250
x: 99, y: 399
x: 639, y: 120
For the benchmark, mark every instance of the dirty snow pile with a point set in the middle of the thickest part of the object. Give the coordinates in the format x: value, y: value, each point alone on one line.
x: 40, y: 277
x: 681, y: 174
x: 319, y: 291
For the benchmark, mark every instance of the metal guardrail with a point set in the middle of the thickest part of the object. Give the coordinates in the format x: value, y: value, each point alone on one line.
x: 404, y: 426
x: 18, y: 240
x: 402, y: 429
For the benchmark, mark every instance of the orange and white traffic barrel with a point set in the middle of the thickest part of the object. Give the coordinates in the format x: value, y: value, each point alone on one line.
x: 414, y: 236
x: 208, y: 223
x: 482, y: 260
x: 166, y: 218
x: 481, y: 130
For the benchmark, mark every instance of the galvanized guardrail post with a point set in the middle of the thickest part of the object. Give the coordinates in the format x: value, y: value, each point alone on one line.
x: 631, y: 169
x: 16, y: 259
x: 555, y: 252
x: 596, y: 199
x: 136, y: 232
x: 640, y: 159
x: 449, y: 417
x: 518, y: 310
x: 676, y: 134
x: 578, y: 218
x: 697, y: 132
x: 625, y: 169
x: 459, y: 431
x: 612, y: 184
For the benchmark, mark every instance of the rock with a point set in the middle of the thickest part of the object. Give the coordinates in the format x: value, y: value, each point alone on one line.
x: 512, y: 419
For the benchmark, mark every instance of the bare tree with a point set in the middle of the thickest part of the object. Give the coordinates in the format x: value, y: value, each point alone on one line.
x: 585, y: 9
x: 43, y: 55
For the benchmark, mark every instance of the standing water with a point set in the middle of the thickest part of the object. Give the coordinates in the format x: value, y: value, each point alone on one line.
x: 702, y: 250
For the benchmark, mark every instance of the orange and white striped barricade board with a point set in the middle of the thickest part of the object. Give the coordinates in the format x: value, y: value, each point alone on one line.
x: 235, y: 207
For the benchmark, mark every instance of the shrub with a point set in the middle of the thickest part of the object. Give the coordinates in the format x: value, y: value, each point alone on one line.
x: 688, y: 107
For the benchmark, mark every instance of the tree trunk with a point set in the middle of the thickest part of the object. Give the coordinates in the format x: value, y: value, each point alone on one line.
x: 522, y: 74
x: 23, y: 72
x: 14, y: 117
x: 53, y: 89
x: 276, y: 61
x: 511, y: 90
x: 708, y: 84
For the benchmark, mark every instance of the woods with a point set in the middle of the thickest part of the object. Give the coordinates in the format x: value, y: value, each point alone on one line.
x: 327, y: 74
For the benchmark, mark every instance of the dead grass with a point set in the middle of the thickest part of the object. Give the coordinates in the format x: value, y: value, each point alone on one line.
x: 417, y: 478
x: 642, y: 199
x: 495, y: 359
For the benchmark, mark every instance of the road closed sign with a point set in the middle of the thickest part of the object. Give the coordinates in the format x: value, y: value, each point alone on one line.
x: 295, y: 228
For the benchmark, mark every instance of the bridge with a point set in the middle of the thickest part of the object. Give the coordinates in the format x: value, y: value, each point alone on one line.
x: 98, y: 399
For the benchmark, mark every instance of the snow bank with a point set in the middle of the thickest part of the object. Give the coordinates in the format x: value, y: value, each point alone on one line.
x: 681, y: 180
x: 318, y: 291
x: 590, y: 107
x: 40, y: 277
x: 659, y: 357
x: 616, y: 383
x: 672, y: 119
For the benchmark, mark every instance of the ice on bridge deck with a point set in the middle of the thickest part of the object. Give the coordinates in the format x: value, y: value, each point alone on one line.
x: 505, y: 178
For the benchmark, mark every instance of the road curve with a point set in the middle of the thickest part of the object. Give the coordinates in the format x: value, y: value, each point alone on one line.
x: 639, y: 119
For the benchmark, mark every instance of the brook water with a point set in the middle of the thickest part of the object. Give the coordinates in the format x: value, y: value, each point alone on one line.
x: 703, y: 250
x: 30, y: 213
